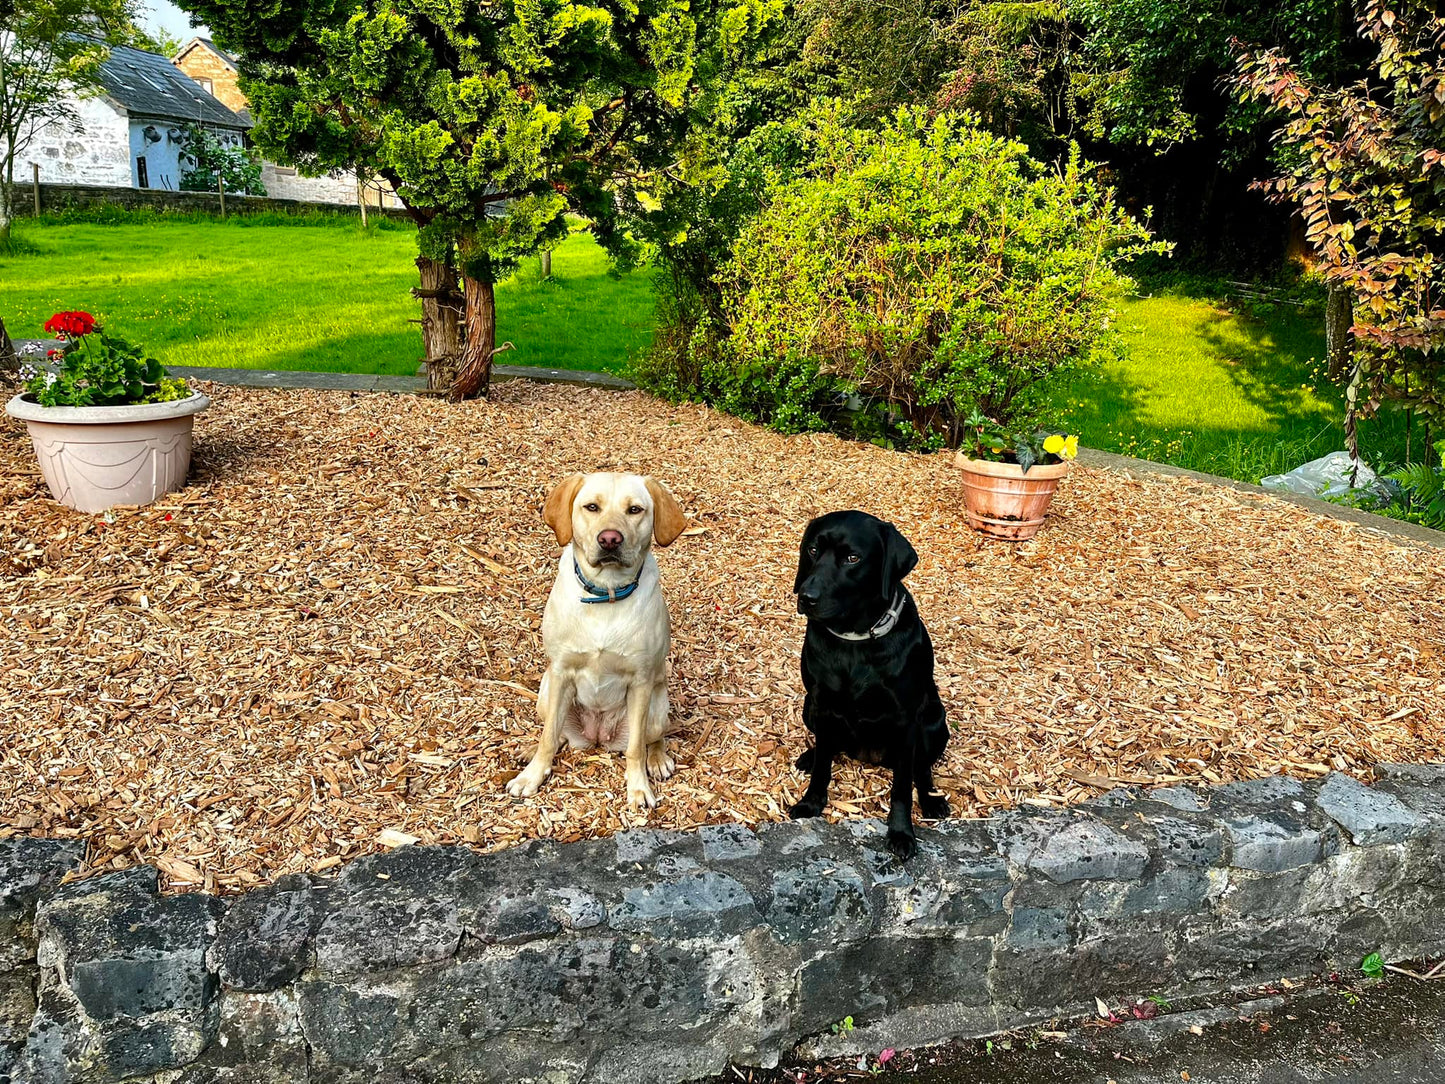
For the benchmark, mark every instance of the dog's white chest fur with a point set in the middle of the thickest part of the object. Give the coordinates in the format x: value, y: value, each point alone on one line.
x: 603, y: 646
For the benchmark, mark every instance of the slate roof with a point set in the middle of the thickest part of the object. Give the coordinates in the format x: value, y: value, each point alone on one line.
x: 147, y: 84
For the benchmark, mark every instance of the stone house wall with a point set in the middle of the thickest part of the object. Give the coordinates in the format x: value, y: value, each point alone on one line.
x: 94, y: 152
x: 214, y: 74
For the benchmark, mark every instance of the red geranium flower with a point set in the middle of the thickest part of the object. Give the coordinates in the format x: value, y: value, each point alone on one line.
x: 71, y: 325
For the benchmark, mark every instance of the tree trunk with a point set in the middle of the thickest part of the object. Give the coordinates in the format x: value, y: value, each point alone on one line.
x: 1339, y: 344
x: 547, y: 264
x: 9, y: 363
x: 7, y: 202
x: 441, y: 317
x: 474, y: 372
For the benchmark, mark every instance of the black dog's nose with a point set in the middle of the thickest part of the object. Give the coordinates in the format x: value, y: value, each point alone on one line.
x: 609, y: 540
x: 807, y: 599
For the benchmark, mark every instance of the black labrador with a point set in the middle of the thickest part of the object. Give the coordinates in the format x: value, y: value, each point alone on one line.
x: 867, y: 668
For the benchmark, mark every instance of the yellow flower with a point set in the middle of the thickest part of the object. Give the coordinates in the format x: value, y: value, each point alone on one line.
x: 1071, y: 448
x: 1054, y: 444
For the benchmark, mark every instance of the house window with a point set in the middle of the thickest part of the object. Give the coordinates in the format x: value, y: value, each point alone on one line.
x: 207, y: 86
x: 142, y: 178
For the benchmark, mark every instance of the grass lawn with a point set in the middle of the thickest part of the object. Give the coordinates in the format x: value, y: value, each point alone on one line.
x: 1213, y: 390
x: 291, y: 297
x: 1201, y: 387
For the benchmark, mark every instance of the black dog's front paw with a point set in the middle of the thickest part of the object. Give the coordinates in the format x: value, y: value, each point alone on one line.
x: 933, y: 806
x: 805, y: 809
x: 904, y: 845
x: 805, y: 760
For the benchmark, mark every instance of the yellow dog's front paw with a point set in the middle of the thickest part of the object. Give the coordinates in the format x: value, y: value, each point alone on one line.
x: 528, y: 781
x: 639, y: 790
x: 660, y: 766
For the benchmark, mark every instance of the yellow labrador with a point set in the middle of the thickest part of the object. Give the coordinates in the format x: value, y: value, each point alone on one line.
x: 606, y: 630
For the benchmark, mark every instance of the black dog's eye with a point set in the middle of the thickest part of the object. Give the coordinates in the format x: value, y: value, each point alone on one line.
x: 853, y: 558
x: 593, y: 507
x: 812, y: 551
x: 635, y: 510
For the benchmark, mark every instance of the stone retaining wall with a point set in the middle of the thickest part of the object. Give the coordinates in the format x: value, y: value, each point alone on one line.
x: 660, y: 956
x: 57, y: 197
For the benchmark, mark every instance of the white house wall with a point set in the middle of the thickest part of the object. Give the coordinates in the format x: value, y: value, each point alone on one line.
x: 334, y: 188
x: 98, y: 153
x: 159, y: 143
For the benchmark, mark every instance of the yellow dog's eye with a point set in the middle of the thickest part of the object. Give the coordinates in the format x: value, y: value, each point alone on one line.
x: 592, y: 507
x: 635, y: 510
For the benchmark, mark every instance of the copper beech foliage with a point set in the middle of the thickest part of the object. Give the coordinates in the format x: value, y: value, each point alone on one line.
x: 1364, y: 165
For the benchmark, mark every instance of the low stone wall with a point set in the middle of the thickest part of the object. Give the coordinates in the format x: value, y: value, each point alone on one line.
x: 57, y: 197
x: 660, y: 956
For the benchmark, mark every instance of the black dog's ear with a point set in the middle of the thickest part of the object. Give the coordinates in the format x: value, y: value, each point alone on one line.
x: 805, y: 563
x: 899, y: 559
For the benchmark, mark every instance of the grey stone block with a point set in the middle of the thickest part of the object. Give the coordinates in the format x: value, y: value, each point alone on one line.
x: 1185, y: 799
x: 709, y: 903
x: 28, y: 868
x: 519, y: 921
x: 904, y: 972
x: 266, y: 935
x: 1188, y: 842
x: 1273, y: 843
x: 125, y: 979
x: 819, y: 902
x: 1088, y: 850
x: 579, y: 908
x: 1039, y: 928
x: 382, y: 929
x: 1270, y: 792
x: 1369, y: 816
x: 727, y: 842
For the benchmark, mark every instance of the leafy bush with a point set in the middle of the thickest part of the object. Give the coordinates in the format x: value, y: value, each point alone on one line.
x: 210, y: 159
x: 911, y: 277
x: 1422, y: 492
x: 100, y: 371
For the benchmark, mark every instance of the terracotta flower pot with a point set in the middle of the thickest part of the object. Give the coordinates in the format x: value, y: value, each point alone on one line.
x: 94, y: 458
x: 1001, y: 501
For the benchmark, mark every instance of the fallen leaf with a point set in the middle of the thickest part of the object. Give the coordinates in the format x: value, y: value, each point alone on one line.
x: 1104, y: 1013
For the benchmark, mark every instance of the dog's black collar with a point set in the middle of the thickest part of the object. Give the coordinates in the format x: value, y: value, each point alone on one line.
x: 882, y: 627
x: 603, y: 594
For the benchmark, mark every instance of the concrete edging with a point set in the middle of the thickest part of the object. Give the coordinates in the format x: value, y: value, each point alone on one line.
x: 657, y: 956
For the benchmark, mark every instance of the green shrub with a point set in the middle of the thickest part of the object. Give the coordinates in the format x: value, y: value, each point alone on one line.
x: 911, y: 277
x: 1422, y: 492
x: 208, y: 160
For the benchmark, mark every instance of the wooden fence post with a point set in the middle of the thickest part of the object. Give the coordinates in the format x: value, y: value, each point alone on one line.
x: 221, y: 182
x: 35, y: 185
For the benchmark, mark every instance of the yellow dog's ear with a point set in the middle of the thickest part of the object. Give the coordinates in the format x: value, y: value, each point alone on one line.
x: 668, y: 519
x: 558, y: 509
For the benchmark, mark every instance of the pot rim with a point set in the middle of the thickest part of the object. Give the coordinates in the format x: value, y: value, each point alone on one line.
x: 1010, y: 470
x: 27, y: 410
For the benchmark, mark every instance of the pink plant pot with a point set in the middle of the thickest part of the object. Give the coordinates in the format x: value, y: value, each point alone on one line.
x: 94, y: 458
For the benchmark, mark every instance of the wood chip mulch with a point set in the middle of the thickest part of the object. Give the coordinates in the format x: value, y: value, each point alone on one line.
x: 330, y: 642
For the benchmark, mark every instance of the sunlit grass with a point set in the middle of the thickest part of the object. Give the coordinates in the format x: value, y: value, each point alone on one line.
x: 282, y: 297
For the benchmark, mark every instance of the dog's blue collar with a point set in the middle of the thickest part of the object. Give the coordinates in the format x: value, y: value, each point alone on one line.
x: 603, y: 594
